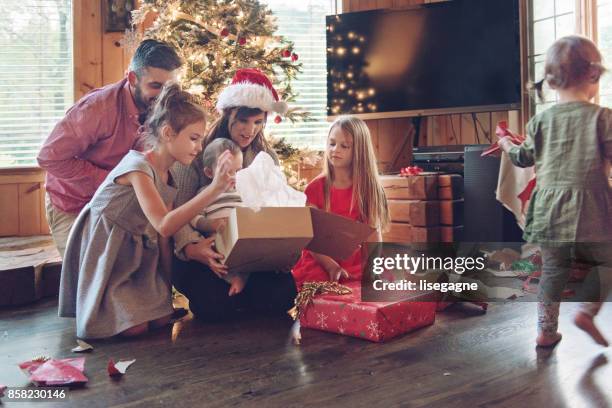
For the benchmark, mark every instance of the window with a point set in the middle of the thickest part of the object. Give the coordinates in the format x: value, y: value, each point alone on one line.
x: 549, y: 20
x: 304, y: 23
x: 36, y: 80
x: 604, y: 41
x: 552, y: 19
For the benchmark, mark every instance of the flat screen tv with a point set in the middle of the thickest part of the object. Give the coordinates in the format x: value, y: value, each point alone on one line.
x: 439, y: 58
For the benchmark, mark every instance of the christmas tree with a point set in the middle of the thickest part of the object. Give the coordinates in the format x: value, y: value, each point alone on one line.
x: 217, y: 37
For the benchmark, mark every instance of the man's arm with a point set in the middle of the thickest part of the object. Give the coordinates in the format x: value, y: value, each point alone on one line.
x: 81, y: 128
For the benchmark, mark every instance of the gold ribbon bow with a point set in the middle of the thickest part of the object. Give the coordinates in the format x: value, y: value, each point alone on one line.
x: 310, y: 290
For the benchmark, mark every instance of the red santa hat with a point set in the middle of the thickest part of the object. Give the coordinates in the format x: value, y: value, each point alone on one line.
x: 251, y: 88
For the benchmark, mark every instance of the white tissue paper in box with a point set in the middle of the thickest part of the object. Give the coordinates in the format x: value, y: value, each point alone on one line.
x: 263, y: 184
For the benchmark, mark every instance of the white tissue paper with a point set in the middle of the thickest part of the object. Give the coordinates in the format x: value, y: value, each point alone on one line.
x: 263, y: 184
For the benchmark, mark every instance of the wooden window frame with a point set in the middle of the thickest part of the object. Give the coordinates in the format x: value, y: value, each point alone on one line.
x: 586, y: 25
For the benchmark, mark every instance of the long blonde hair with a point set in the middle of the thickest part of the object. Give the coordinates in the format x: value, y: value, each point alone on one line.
x: 368, y: 193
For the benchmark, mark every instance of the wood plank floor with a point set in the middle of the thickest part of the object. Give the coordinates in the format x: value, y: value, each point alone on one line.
x: 464, y: 360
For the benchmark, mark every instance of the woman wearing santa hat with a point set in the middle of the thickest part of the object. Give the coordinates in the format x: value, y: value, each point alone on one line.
x: 244, y: 106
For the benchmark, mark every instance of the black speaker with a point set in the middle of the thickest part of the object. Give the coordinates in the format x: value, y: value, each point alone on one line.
x: 485, y: 218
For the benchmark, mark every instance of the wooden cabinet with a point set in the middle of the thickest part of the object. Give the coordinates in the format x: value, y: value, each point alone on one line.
x: 22, y: 202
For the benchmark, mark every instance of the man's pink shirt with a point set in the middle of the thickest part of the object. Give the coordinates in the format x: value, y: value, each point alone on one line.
x: 87, y: 143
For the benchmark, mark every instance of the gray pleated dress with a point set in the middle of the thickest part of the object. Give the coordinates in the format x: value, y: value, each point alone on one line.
x: 111, y: 275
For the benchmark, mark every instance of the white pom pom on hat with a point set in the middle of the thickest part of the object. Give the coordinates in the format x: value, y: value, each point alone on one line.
x: 251, y: 88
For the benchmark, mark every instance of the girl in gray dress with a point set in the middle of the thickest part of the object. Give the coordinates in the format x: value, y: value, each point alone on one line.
x: 570, y: 211
x: 116, y: 272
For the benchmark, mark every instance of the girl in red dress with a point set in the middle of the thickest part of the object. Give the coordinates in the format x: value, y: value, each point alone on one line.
x: 349, y: 186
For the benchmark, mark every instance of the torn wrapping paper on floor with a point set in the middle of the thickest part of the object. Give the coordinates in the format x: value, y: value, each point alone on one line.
x: 82, y: 347
x: 500, y: 273
x: 55, y: 372
x: 515, y: 264
x: 119, y: 368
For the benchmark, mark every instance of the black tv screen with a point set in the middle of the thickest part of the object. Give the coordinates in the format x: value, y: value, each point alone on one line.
x: 449, y: 57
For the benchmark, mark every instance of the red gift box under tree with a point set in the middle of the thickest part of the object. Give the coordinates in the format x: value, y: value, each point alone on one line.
x: 376, y: 321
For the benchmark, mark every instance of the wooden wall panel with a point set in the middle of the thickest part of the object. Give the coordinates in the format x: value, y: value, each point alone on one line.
x: 44, y: 226
x: 114, y: 58
x: 87, y: 46
x: 29, y: 208
x: 9, y: 210
x: 22, y: 202
x: 99, y: 58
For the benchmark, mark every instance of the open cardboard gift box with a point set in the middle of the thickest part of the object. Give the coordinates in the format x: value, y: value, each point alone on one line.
x: 274, y: 237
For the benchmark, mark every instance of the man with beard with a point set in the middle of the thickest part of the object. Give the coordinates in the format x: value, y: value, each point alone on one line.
x: 97, y: 132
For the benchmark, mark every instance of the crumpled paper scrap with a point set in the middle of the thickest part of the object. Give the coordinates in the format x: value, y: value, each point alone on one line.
x: 55, y: 372
x: 82, y: 347
x: 505, y: 257
x: 119, y: 368
x: 503, y: 273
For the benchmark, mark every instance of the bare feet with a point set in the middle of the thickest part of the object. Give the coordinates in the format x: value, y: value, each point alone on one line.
x: 586, y: 323
x: 548, y: 340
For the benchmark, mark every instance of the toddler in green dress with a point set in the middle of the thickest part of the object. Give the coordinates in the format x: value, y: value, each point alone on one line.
x: 570, y: 212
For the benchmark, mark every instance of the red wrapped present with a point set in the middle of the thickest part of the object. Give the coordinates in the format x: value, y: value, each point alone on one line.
x: 376, y: 321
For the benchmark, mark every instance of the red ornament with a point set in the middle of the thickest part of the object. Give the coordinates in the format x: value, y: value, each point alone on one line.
x: 278, y: 119
x: 294, y: 57
x: 286, y: 53
x: 242, y: 41
x: 224, y: 32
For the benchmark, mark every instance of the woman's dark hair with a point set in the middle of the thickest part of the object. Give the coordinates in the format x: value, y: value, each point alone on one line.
x: 570, y: 61
x: 221, y: 128
x: 174, y: 107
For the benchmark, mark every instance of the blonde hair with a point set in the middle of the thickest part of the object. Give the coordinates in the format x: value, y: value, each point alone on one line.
x: 570, y: 61
x: 368, y: 193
